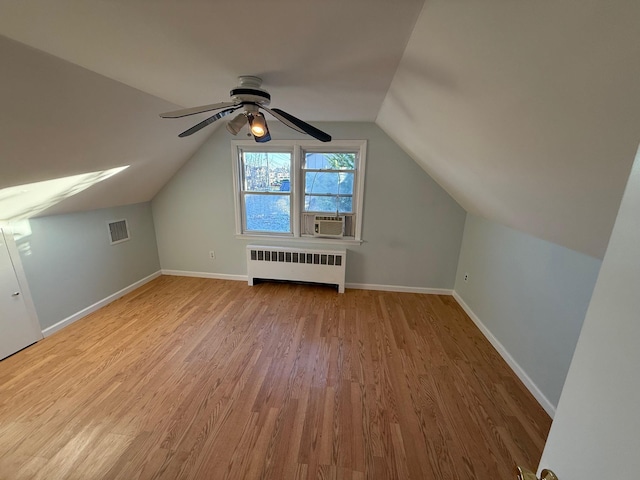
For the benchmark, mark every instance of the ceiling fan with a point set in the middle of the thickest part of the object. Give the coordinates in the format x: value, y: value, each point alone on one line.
x: 249, y: 97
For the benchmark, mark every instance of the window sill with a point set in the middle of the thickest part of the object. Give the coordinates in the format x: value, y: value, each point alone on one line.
x: 290, y: 239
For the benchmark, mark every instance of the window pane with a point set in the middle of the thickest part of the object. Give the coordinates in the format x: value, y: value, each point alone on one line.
x: 266, y: 171
x: 346, y: 204
x: 317, y: 203
x: 329, y: 204
x: 346, y: 183
x: 330, y: 161
x: 328, y: 182
x: 268, y: 213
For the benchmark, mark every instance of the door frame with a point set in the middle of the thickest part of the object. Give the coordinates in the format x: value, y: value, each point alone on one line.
x: 7, y: 233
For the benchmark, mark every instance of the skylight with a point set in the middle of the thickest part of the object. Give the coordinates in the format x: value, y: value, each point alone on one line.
x: 25, y: 201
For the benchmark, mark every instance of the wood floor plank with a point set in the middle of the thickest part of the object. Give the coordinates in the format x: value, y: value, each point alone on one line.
x: 190, y: 378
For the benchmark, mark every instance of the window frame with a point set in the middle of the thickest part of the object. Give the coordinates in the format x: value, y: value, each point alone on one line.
x: 298, y: 148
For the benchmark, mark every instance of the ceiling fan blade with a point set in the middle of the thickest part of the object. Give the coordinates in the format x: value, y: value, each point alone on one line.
x: 201, y: 109
x: 299, y: 124
x: 206, y: 122
x: 283, y: 119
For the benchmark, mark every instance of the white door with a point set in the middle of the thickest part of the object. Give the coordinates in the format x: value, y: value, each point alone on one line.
x: 17, y: 329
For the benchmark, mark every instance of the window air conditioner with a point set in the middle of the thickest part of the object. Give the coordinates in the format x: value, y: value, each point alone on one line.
x: 332, y: 227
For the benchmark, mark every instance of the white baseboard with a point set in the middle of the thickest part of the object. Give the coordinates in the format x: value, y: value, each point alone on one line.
x: 517, y: 369
x: 219, y: 276
x: 357, y: 286
x: 92, y: 308
x: 399, y: 288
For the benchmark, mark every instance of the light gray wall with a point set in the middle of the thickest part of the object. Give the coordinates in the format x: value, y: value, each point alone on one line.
x: 412, y: 229
x: 531, y: 294
x: 596, y: 432
x: 70, y: 264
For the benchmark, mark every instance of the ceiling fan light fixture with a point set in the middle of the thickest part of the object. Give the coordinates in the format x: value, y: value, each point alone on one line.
x: 235, y: 125
x: 258, y: 125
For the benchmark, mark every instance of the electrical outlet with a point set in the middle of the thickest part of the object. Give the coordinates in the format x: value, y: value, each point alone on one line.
x: 466, y: 277
x: 212, y: 255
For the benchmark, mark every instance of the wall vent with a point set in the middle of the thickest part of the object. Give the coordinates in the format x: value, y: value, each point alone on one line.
x: 118, y: 231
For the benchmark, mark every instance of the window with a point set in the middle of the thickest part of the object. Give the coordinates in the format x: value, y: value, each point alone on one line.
x: 265, y: 192
x: 283, y: 186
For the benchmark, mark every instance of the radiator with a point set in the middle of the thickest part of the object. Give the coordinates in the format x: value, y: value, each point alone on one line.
x: 296, y: 264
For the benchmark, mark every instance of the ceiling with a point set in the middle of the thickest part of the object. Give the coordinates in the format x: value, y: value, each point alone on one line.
x: 527, y: 113
x: 83, y: 81
x: 331, y: 59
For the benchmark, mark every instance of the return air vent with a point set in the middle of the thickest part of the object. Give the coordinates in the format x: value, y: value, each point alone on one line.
x: 118, y: 231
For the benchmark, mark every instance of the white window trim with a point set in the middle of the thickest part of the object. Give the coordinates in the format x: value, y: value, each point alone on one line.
x: 297, y: 147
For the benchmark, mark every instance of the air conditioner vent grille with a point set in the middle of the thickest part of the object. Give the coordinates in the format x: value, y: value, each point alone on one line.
x: 118, y: 231
x: 328, y: 226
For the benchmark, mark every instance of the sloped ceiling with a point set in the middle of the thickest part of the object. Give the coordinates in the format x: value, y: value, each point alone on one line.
x: 87, y: 94
x: 527, y: 113
x: 58, y: 119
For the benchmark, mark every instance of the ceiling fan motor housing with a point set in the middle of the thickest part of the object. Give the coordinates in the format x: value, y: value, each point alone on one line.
x: 250, y: 95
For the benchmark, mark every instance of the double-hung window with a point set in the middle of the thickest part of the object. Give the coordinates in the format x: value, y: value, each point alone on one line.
x: 284, y: 187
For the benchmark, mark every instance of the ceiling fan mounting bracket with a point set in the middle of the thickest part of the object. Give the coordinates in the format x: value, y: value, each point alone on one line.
x: 249, y: 91
x: 249, y: 81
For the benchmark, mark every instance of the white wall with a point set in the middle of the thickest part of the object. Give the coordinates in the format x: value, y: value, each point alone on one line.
x: 596, y: 432
x: 532, y: 295
x: 70, y: 264
x: 412, y: 228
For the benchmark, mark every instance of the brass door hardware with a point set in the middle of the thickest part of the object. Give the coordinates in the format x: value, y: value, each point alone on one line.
x: 524, y: 474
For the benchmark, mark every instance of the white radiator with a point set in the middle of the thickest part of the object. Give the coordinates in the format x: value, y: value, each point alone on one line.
x: 296, y: 264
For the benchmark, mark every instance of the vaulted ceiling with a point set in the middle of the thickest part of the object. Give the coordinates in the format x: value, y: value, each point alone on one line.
x: 83, y: 81
x: 527, y: 113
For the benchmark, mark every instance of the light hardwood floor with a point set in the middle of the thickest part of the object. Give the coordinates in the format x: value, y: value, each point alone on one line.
x: 211, y: 379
